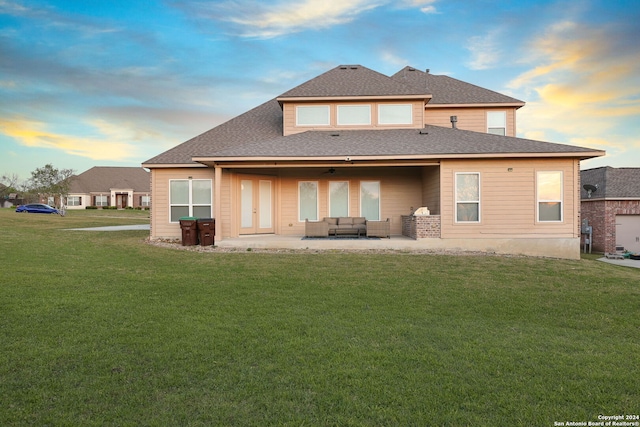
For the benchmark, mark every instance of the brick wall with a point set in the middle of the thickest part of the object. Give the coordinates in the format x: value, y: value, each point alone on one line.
x: 602, y: 217
x: 421, y: 227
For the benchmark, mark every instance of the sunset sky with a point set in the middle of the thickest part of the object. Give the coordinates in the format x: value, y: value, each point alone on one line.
x: 114, y: 83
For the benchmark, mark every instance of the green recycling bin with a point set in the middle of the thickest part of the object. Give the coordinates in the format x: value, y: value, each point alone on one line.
x: 207, y: 231
x: 189, y: 226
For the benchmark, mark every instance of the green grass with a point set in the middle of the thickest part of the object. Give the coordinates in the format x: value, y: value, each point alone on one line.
x: 99, y: 328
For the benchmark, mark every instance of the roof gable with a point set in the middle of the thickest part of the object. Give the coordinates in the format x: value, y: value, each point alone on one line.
x: 353, y: 81
x: 447, y: 90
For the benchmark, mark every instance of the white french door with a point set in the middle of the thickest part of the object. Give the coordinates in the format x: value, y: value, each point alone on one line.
x: 256, y: 205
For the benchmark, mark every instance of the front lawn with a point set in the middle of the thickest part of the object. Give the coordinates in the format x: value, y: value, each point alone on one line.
x: 100, y: 328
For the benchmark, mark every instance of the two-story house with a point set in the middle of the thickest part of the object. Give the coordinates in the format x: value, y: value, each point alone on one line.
x: 354, y: 142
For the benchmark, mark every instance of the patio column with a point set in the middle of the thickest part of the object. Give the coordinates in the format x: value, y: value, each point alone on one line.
x: 217, y: 204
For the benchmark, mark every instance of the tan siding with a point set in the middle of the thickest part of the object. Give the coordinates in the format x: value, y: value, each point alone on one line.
x: 160, y: 225
x: 474, y: 119
x: 431, y: 189
x: 289, y: 116
x: 508, y: 199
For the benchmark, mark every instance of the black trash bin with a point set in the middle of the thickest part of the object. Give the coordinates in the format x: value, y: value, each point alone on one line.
x: 189, y: 226
x: 207, y: 231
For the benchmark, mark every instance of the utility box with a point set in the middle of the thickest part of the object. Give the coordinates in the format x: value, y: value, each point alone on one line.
x: 189, y: 226
x: 207, y: 231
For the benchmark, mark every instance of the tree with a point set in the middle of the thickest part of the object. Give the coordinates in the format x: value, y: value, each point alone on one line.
x: 8, y: 184
x: 50, y: 181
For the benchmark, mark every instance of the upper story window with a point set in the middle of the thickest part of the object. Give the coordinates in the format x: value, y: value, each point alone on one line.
x: 354, y: 114
x: 316, y: 115
x: 497, y: 122
x: 395, y: 114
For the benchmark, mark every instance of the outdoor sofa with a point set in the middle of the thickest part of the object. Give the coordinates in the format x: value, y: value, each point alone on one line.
x: 359, y: 226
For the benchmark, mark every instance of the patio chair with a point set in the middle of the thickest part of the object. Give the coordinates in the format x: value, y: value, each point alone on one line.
x: 316, y: 228
x: 379, y: 228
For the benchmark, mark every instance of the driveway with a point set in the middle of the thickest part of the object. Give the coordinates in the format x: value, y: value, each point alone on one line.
x: 622, y: 262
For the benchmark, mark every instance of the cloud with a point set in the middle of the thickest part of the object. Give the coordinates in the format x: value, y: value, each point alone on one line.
x: 34, y: 134
x: 293, y: 17
x: 425, y: 6
x: 49, y: 17
x: 264, y: 20
x: 485, y: 50
x: 393, y: 59
x: 585, y: 85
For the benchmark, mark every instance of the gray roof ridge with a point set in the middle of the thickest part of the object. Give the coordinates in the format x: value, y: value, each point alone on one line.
x: 452, y: 83
x: 352, y: 80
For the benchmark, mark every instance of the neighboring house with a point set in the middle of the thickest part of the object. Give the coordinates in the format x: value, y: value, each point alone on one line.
x: 102, y: 186
x: 354, y: 142
x: 610, y: 201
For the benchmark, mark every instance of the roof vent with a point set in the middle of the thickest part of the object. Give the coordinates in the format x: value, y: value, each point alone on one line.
x: 427, y: 71
x: 342, y: 67
x: 335, y: 134
x: 354, y: 68
x: 424, y: 131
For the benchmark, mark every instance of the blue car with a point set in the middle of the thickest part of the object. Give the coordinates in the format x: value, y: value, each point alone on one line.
x: 37, y: 208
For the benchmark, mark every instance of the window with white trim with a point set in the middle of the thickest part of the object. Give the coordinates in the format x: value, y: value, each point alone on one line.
x: 74, y: 201
x: 312, y: 115
x: 497, y: 122
x: 189, y: 197
x: 338, y: 198
x: 395, y: 114
x: 370, y: 200
x: 145, y: 200
x: 354, y: 115
x: 549, y: 195
x: 307, y: 200
x: 467, y: 197
x: 101, y: 200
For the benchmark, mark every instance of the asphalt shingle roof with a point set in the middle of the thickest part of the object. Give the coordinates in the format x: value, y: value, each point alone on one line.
x: 447, y: 90
x: 262, y: 122
x: 612, y: 183
x: 259, y: 132
x: 352, y: 81
x: 429, y: 141
x: 104, y: 178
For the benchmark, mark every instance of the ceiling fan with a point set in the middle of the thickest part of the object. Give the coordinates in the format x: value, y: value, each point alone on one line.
x: 330, y: 171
